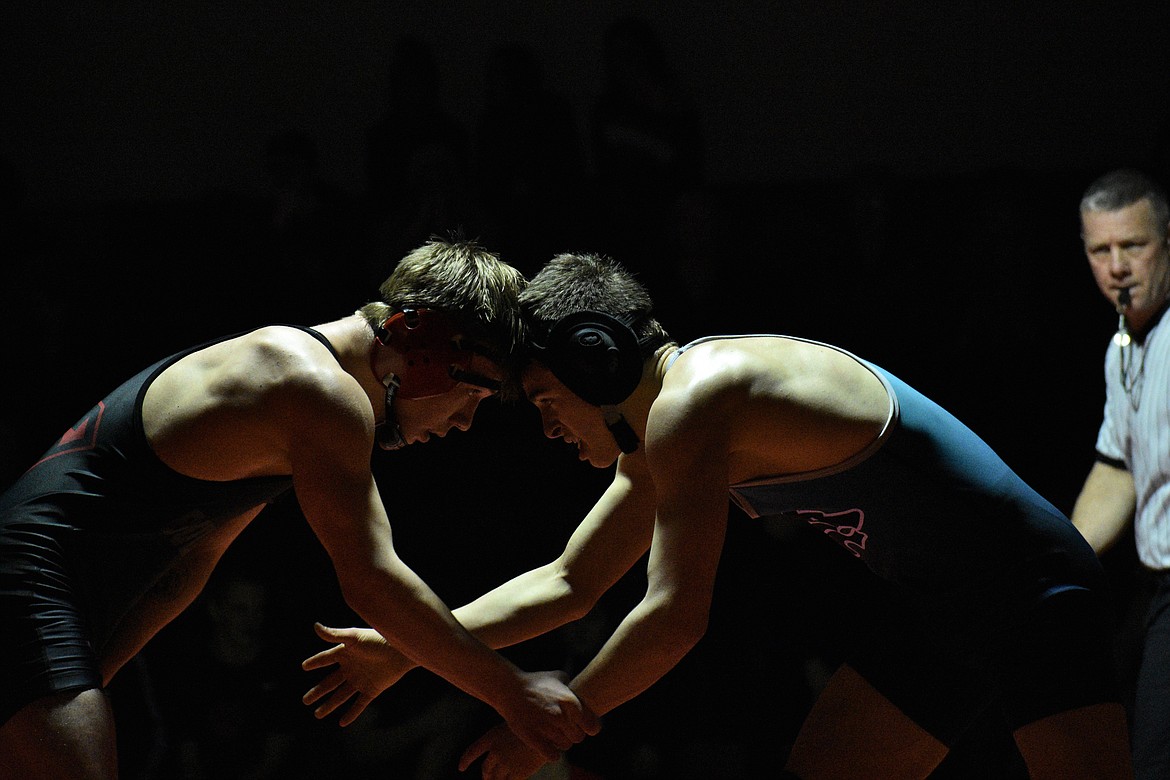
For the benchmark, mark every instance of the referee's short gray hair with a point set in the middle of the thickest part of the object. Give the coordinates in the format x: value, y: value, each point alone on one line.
x: 1124, y: 187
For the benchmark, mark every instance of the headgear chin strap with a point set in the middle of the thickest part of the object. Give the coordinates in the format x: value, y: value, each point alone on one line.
x: 623, y: 433
x: 434, y: 358
x: 388, y: 433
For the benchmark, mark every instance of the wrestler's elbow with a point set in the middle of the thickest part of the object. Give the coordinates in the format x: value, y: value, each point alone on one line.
x: 577, y: 592
x: 682, y: 622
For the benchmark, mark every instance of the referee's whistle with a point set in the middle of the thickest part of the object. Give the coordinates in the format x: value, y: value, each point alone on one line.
x: 1122, y: 337
x: 1123, y: 299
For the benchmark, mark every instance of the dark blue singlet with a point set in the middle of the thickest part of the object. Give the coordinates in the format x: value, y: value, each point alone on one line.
x: 995, y: 585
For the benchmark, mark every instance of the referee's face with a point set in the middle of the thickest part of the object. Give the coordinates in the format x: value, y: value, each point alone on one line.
x: 1128, y: 250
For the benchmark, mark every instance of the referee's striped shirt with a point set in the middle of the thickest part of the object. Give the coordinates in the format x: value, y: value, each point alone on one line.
x: 1135, y: 433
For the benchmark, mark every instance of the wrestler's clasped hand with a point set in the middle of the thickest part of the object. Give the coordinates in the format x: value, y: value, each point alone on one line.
x: 551, y: 719
x: 547, y: 717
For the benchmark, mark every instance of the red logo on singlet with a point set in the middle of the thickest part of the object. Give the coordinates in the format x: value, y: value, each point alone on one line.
x: 843, y: 527
x: 78, y: 438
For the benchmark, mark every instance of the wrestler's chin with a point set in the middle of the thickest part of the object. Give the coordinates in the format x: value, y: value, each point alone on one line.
x: 598, y: 460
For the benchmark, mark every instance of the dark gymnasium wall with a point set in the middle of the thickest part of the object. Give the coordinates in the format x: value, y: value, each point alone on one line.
x: 898, y: 178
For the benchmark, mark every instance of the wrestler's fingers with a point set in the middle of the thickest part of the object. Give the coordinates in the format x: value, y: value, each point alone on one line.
x: 323, y: 688
x: 355, y: 709
x: 474, y: 751
x: 335, y: 635
x: 330, y: 705
x: 321, y: 659
x: 573, y: 727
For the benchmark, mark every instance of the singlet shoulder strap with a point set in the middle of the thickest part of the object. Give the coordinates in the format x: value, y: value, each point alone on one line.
x: 684, y: 348
x: 320, y: 337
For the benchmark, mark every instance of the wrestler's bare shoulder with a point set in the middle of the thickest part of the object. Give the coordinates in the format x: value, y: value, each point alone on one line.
x: 786, y: 405
x: 770, y: 361
x: 770, y: 364
x: 244, y: 398
x: 246, y: 369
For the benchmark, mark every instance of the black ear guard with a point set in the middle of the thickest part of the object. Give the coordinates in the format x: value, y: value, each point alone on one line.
x: 595, y: 355
x: 428, y: 341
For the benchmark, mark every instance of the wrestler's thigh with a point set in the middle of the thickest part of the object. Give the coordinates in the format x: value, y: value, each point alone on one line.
x: 66, y: 736
x: 45, y: 647
x: 853, y: 732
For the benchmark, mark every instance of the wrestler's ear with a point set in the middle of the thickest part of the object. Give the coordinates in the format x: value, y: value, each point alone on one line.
x: 595, y: 355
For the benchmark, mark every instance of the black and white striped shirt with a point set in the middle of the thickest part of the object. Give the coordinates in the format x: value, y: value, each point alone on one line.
x: 1136, y: 432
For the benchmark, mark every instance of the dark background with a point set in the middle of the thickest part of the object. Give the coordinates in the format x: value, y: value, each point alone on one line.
x: 900, y: 179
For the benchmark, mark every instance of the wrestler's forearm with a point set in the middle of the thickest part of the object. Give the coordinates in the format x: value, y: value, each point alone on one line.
x: 647, y: 644
x: 611, y: 539
x: 526, y: 606
x: 413, y: 619
x: 170, y: 594
x: 165, y: 600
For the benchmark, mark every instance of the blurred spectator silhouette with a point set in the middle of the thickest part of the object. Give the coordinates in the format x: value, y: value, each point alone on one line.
x: 227, y: 685
x: 288, y: 252
x: 298, y: 195
x: 417, y: 160
x: 870, y: 271
x: 647, y: 143
x: 1157, y: 158
x: 530, y: 166
x: 303, y: 267
x: 695, y: 292
x: 416, y: 731
x: 13, y: 192
x: 23, y: 292
x: 649, y: 153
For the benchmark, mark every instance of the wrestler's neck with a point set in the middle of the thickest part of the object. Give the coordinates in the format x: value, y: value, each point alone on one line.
x: 353, y: 340
x: 636, y: 408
